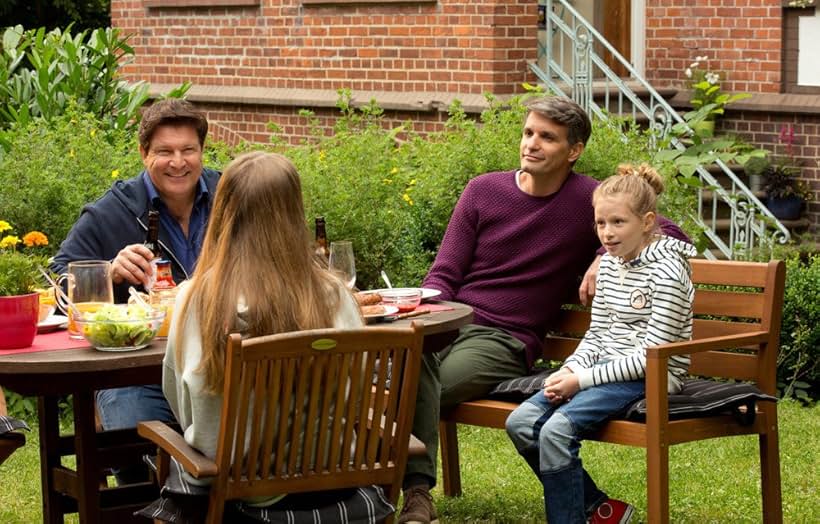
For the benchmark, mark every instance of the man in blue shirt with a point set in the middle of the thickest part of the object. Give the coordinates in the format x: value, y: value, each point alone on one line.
x: 172, y: 136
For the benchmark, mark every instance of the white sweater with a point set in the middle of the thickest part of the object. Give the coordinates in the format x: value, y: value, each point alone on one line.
x: 198, y: 412
x: 638, y: 304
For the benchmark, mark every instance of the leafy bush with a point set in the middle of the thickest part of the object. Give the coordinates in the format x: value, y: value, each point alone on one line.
x: 798, y: 364
x: 54, y: 168
x: 41, y: 73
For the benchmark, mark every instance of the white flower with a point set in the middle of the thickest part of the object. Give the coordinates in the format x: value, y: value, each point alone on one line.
x: 693, y: 65
x: 701, y: 58
x: 712, y: 78
x: 688, y: 73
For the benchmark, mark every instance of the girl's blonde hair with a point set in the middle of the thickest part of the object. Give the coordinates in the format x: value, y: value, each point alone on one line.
x: 642, y: 184
x: 256, y: 249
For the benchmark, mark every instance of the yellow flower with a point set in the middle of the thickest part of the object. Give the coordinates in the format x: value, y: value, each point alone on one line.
x: 387, y: 181
x: 413, y: 182
x: 9, y: 241
x: 394, y: 171
x: 4, y: 226
x: 70, y: 153
x: 321, y: 155
x: 93, y: 132
x: 115, y: 173
x: 35, y: 238
x: 407, y: 199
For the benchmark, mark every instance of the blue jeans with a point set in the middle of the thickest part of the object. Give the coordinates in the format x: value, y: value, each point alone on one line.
x: 549, y: 438
x: 122, y: 408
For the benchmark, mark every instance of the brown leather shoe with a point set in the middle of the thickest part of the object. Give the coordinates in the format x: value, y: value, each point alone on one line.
x: 418, y: 507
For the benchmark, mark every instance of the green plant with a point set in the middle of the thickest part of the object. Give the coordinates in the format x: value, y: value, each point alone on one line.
x: 42, y: 72
x: 706, y: 92
x: 780, y: 171
x: 18, y: 271
x: 799, y: 358
x: 53, y: 168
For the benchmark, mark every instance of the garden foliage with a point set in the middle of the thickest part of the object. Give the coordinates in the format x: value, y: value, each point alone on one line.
x: 798, y: 363
x: 42, y: 72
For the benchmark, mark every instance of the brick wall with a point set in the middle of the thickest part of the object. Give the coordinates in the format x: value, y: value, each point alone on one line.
x: 763, y: 130
x: 742, y: 39
x: 450, y: 46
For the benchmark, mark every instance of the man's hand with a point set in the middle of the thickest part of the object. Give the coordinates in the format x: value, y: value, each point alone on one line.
x: 587, y: 289
x: 133, y: 265
x: 561, y: 386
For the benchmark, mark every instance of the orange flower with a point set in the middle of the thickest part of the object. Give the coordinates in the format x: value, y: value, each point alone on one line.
x: 35, y: 238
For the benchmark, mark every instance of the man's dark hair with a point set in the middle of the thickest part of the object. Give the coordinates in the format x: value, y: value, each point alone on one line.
x: 566, y: 113
x: 171, y: 112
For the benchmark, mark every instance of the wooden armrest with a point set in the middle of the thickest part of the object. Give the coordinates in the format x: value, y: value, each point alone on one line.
x: 193, y: 462
x: 707, y: 344
x: 416, y: 447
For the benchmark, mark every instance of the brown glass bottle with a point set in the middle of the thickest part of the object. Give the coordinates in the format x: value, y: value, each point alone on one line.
x: 152, y: 238
x: 322, y: 252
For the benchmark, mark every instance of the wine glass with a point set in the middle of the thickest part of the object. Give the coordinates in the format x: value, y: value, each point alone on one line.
x: 342, y: 262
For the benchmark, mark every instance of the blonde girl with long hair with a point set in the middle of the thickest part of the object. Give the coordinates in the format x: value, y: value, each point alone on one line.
x: 256, y: 275
x: 643, y: 298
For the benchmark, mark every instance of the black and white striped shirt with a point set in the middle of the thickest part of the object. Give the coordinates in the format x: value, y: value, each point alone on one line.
x: 638, y: 304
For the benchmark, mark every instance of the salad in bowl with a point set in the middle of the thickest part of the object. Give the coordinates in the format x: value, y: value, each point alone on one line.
x: 121, y: 327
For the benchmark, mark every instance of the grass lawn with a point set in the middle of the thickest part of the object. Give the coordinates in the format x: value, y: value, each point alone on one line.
x: 712, y: 481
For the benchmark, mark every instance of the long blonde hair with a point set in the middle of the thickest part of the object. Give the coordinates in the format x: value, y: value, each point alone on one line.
x: 256, y: 249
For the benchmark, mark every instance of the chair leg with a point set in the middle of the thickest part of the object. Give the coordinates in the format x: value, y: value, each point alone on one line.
x: 450, y: 472
x: 770, y: 470
x: 216, y: 506
x: 657, y: 484
x: 9, y: 443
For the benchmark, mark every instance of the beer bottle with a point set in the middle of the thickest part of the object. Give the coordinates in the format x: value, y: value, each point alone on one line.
x: 152, y: 239
x: 321, y: 249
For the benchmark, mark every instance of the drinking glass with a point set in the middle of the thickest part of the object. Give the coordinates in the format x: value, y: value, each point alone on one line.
x: 342, y: 262
x: 89, y: 286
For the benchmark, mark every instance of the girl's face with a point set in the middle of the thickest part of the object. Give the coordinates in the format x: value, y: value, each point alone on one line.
x: 622, y: 232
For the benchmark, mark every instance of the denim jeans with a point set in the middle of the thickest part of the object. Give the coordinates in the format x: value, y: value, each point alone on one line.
x: 549, y: 438
x: 122, y: 408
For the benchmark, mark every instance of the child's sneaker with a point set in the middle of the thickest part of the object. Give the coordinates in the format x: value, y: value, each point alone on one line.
x: 612, y: 511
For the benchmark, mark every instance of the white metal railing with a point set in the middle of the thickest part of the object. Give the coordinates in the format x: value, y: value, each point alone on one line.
x: 571, y: 64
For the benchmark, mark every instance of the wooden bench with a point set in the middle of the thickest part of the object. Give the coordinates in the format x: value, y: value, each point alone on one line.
x: 741, y: 345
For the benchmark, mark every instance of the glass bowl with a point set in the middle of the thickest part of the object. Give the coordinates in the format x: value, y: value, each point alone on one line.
x: 120, y: 327
x: 404, y: 298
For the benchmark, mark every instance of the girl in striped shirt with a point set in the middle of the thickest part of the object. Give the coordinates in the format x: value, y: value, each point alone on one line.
x: 643, y: 298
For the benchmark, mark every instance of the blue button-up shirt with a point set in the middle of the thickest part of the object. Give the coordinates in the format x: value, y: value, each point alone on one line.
x: 186, y: 249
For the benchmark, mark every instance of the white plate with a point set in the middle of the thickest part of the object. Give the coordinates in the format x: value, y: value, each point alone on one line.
x: 388, y: 310
x: 52, y: 323
x: 426, y: 292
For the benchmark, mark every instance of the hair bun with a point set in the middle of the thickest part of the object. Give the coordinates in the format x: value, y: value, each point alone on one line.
x: 644, y: 171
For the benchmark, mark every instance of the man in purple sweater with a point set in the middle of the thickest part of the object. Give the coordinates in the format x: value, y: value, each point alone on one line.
x: 518, y: 245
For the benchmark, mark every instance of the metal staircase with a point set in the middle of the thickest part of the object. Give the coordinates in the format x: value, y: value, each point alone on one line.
x: 570, y: 63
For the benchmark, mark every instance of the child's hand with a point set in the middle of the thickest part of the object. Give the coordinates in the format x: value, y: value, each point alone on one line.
x: 561, y: 386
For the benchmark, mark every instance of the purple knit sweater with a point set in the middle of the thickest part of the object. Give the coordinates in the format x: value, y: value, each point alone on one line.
x: 516, y: 258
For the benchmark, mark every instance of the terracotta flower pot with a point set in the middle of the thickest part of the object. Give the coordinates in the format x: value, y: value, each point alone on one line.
x: 18, y: 320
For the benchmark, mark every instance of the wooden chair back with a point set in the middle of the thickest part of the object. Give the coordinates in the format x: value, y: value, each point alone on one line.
x: 316, y: 410
x: 731, y: 298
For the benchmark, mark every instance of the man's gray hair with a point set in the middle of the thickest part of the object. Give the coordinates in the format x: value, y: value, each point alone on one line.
x: 566, y: 113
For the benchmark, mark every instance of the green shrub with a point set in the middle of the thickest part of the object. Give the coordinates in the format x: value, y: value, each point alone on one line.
x: 798, y: 363
x: 54, y: 168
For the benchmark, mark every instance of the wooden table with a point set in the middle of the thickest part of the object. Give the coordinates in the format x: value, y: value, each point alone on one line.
x: 80, y: 372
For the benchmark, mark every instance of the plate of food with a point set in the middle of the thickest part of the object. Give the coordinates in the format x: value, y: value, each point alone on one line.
x: 52, y: 323
x: 426, y: 292
x: 377, y: 311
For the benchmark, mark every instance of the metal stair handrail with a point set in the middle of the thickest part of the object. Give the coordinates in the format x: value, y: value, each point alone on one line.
x: 749, y: 219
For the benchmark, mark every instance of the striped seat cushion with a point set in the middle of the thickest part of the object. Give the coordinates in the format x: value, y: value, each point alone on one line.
x: 11, y: 424
x: 697, y: 398
x: 184, y: 503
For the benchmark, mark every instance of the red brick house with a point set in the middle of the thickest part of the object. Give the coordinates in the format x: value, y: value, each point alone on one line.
x: 255, y: 61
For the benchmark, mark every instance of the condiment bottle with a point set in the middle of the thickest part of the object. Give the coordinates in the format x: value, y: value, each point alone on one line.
x: 321, y: 249
x: 163, y: 294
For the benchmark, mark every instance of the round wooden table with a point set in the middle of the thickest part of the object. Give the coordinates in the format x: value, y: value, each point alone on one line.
x: 80, y: 372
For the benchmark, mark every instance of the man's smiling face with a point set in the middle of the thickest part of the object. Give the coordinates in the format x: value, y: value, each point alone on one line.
x: 174, y: 161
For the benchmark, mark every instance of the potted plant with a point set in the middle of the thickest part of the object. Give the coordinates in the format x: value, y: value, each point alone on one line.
x: 708, y: 100
x: 19, y: 302
x: 785, y: 192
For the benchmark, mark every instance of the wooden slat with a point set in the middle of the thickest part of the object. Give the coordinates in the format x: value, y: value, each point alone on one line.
x: 259, y: 393
x: 328, y: 401
x: 559, y: 348
x: 245, y: 387
x: 351, y: 396
x: 317, y: 385
x: 751, y: 274
x: 730, y: 304
x: 298, y: 415
x: 702, y: 328
x: 722, y: 364
x: 274, y: 382
x: 573, y: 322
x: 284, y: 415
